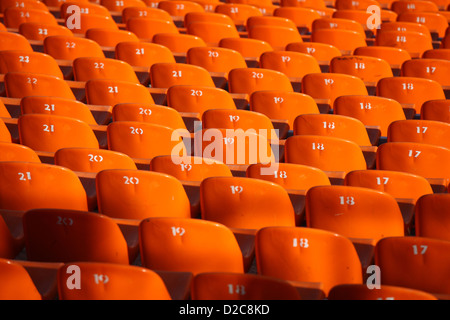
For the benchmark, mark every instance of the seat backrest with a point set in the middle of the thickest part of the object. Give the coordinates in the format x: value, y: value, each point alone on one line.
x: 431, y: 216
x: 189, y: 168
x: 107, y: 37
x: 42, y: 132
x: 302, y: 17
x: 146, y: 28
x: 14, y: 16
x: 24, y: 4
x: 368, y: 69
x: 68, y: 236
x: 354, y: 212
x: 417, y: 158
x: 149, y: 113
x: 325, y: 153
x: 40, y: 31
x: 295, y: 254
x: 14, y: 41
x: 435, y: 110
x: 413, y: 262
x: 385, y: 292
x: 143, y: 140
x: 249, y: 80
x: 87, y: 68
x: 16, y: 283
x: 198, y: 99
x: 165, y: 75
x: 400, y: 185
x: 410, y: 90
x: 149, y: 12
x: 143, y: 54
x: 212, y: 32
x: 238, y: 12
x: 207, y: 16
x: 245, y: 203
x: 215, y: 59
x: 370, y: 110
x: 420, y: 131
x: 21, y: 84
x: 232, y: 286
x: 87, y: 7
x: 111, y: 92
x: 89, y: 21
x: 414, y: 42
x: 249, y: 48
x: 439, y: 53
x: 394, y: 56
x: 413, y: 6
x: 204, y: 246
x: 345, y: 40
x: 138, y: 194
x: 291, y: 63
x: 92, y: 160
x: 71, y: 47
x: 108, y: 281
x: 332, y: 125
x: 57, y: 106
x: 24, y: 182
x: 277, y: 37
x: 348, y: 4
x: 234, y: 147
x: 269, y: 21
x: 282, y: 105
x: 332, y: 85
x: 289, y: 175
x: 337, y: 23
x: 178, y: 43
x: 239, y: 119
x: 323, y: 52
x: 180, y: 8
x: 115, y: 6
x: 434, y: 69
x: 405, y: 26
x: 17, y: 152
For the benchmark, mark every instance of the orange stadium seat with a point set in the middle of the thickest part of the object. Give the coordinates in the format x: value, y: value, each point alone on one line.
x: 197, y: 252
x: 16, y: 282
x: 345, y: 40
x: 277, y: 37
x: 118, y: 6
x: 212, y: 32
x: 32, y: 62
x: 14, y: 16
x: 139, y: 194
x: 414, y: 42
x: 71, y: 47
x: 143, y: 54
x: 26, y: 4
x: 178, y: 42
x: 22, y: 84
x: 302, y: 17
x: 431, y: 216
x: 17, y: 152
x: 112, y: 92
x: 40, y: 31
x: 236, y: 286
x: 48, y: 133
x: 109, y: 281
x: 143, y: 140
x: 282, y: 105
x: 370, y: 110
x: 434, y: 69
x: 400, y: 7
x: 424, y: 259
x: 56, y: 235
x: 238, y: 12
x: 165, y: 75
x: 87, y: 68
x: 57, y: 106
x: 107, y: 37
x: 144, y: 12
x: 14, y: 41
x: 63, y: 188
x: 411, y: 92
x: 290, y: 257
x: 435, y: 110
x: 146, y: 28
x: 245, y: 203
x: 198, y: 99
